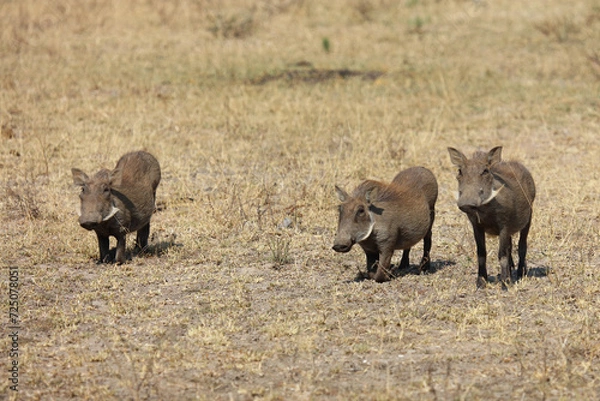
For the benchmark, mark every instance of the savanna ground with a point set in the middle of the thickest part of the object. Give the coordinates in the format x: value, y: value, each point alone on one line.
x: 255, y: 111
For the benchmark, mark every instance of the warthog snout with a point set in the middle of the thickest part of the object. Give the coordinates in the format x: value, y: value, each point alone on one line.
x: 88, y: 224
x: 471, y: 202
x: 95, y: 210
x: 343, y: 248
x: 468, y: 206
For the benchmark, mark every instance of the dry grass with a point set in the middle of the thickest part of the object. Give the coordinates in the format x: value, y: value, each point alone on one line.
x: 240, y: 296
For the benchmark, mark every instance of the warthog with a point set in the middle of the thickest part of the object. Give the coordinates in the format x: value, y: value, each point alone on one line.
x: 115, y: 203
x: 384, y: 217
x: 497, y: 196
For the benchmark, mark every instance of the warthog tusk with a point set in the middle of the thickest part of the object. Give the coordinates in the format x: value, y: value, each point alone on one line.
x: 368, y: 233
x: 113, y: 211
x: 492, y: 195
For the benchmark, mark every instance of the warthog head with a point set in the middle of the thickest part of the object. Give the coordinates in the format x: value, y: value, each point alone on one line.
x: 475, y: 178
x: 96, y: 199
x: 355, y: 221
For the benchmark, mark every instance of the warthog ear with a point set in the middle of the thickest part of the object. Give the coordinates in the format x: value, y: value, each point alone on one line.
x: 115, y: 177
x: 341, y: 194
x: 457, y: 157
x: 79, y: 177
x: 371, y: 195
x: 494, y: 156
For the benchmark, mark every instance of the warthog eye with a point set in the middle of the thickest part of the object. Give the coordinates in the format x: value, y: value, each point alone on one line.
x: 360, y: 212
x: 485, y: 171
x: 459, y: 173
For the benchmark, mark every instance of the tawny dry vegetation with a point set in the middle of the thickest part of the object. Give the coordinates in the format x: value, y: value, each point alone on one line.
x: 255, y: 110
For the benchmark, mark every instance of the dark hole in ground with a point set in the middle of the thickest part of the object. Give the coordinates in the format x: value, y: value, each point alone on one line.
x: 314, y: 75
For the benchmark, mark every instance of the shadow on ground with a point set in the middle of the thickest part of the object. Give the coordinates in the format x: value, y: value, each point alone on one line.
x: 156, y: 249
x: 539, y: 271
x: 410, y: 270
x: 158, y: 246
